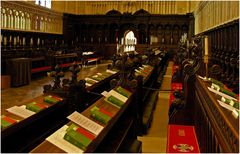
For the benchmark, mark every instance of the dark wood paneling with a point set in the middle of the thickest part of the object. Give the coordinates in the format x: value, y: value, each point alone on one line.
x: 103, y: 30
x: 224, y: 51
x: 216, y: 128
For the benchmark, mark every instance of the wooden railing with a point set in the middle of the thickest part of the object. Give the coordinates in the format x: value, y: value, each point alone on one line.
x: 28, y: 17
x: 216, y: 128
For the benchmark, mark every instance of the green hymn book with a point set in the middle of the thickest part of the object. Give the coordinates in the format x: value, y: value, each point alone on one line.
x: 90, y: 82
x: 35, y: 107
x: 123, y: 91
x: 78, y: 136
x: 114, y: 101
x: 227, y: 92
x: 220, y: 84
x: 7, y: 121
x: 52, y: 99
x: 96, y: 78
x: 100, y: 116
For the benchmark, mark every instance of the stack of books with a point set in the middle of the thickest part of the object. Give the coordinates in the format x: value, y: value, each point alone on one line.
x: 36, y: 107
x: 223, y: 90
x: 118, y: 96
x: 230, y: 102
x: 101, y: 115
x: 144, y: 71
x: 7, y: 121
x: 123, y: 91
x: 78, y: 136
x: 114, y: 101
x: 97, y: 77
x: 52, y: 99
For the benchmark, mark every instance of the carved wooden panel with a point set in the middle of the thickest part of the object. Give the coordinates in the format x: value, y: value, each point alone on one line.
x: 142, y: 23
x: 220, y: 128
x: 224, y: 44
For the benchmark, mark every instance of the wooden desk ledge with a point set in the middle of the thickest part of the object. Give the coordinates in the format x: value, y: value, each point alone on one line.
x: 182, y: 139
x: 48, y: 147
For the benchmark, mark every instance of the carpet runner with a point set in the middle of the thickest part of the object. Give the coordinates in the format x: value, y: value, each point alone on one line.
x: 171, y: 98
x: 182, y: 139
x: 176, y: 86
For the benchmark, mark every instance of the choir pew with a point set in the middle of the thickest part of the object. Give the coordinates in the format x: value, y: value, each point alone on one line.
x: 218, y: 123
x: 27, y: 133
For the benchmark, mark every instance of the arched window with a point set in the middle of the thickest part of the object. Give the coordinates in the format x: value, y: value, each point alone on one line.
x: 44, y: 3
x: 129, y: 41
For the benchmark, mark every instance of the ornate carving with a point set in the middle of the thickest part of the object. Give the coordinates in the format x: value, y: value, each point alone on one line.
x: 219, y: 124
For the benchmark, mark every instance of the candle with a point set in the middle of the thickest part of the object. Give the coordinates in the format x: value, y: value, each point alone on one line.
x: 10, y: 39
x: 38, y: 41
x: 14, y: 41
x: 206, y: 45
x: 24, y: 43
x: 5, y: 40
x: 31, y: 41
x: 17, y: 39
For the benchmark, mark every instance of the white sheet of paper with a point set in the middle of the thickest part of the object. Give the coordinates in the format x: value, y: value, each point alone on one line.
x: 136, y: 70
x: 105, y: 94
x: 203, y: 78
x: 58, y: 140
x: 118, y: 96
x: 99, y: 73
x: 235, y: 113
x: 229, y: 107
x: 85, y: 122
x: 20, y: 111
x: 91, y: 79
x: 221, y: 94
x: 88, y: 84
x: 110, y: 71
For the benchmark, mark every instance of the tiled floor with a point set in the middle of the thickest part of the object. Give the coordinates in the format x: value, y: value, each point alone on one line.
x: 17, y: 96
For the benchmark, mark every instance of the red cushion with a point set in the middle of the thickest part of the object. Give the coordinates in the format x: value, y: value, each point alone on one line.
x: 182, y: 139
x: 41, y: 69
x: 176, y: 86
x: 66, y: 65
x: 171, y: 98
